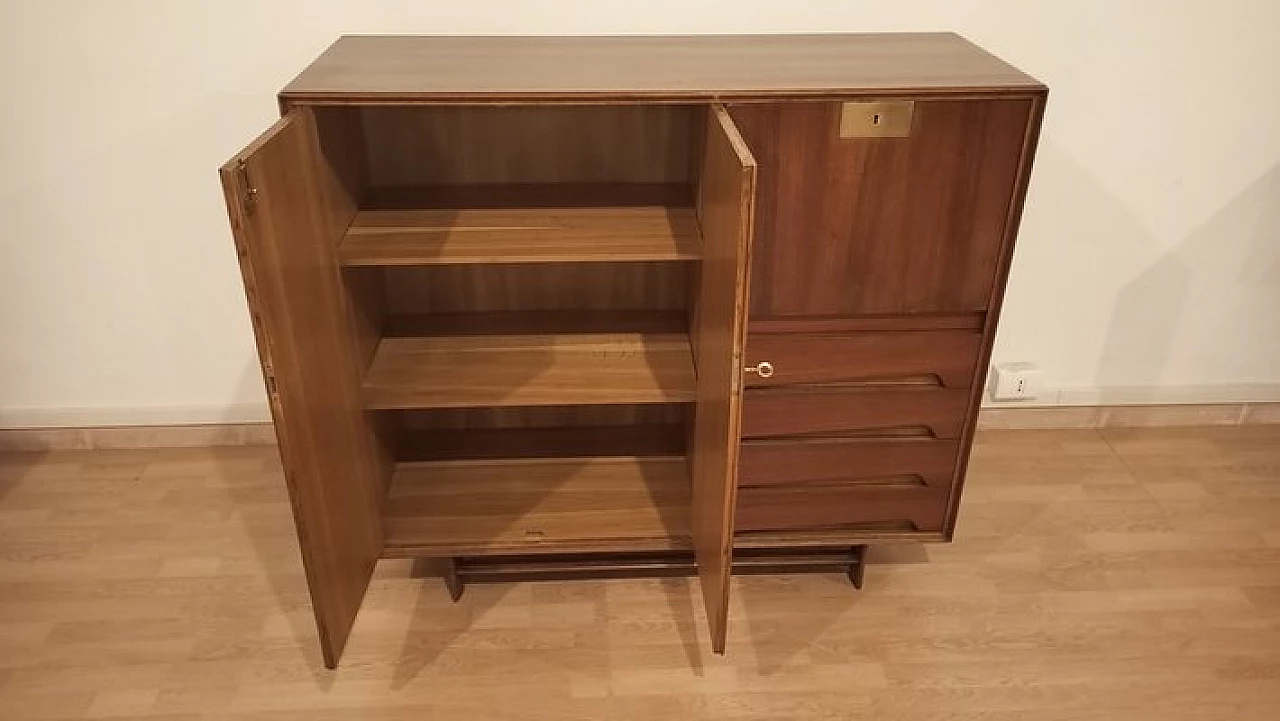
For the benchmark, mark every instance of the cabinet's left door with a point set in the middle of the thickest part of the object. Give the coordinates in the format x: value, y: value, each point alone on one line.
x: 290, y: 201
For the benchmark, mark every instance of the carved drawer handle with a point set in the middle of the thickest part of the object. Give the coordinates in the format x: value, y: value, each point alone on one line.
x: 764, y: 369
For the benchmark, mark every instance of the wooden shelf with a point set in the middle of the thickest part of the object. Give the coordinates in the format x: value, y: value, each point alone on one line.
x: 520, y: 235
x: 530, y: 370
x: 546, y: 505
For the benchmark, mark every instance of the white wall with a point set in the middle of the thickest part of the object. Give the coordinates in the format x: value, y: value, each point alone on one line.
x: 1148, y: 266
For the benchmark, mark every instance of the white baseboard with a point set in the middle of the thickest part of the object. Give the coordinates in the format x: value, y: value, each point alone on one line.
x: 116, y: 416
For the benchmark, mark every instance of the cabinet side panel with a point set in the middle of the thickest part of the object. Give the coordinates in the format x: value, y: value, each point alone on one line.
x: 1009, y: 234
x: 288, y: 212
x: 725, y: 197
x: 345, y: 178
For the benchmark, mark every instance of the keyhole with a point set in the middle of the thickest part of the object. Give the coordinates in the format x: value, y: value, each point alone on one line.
x: 875, y: 119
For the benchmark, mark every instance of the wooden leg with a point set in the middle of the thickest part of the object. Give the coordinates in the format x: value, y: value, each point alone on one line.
x: 857, y: 566
x: 452, y: 580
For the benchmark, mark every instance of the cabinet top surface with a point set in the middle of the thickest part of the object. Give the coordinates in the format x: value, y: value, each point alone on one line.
x: 406, y: 68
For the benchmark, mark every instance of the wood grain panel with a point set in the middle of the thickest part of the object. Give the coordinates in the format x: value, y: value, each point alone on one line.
x: 618, y: 414
x: 725, y: 198
x: 837, y: 357
x: 847, y: 460
x: 345, y: 180
x: 547, y: 416
x: 1030, y: 138
x: 569, y: 441
x: 537, y: 506
x: 520, y: 235
x: 503, y: 144
x: 539, y: 322
x: 341, y: 138
x: 862, y: 226
x: 531, y: 195
x: 894, y: 532
x: 651, y: 564
x: 407, y: 68
x: 831, y: 483
x: 832, y: 508
x: 538, y: 287
x: 288, y: 209
x: 838, y: 409
x: 529, y: 370
x: 367, y: 290
x: 918, y: 321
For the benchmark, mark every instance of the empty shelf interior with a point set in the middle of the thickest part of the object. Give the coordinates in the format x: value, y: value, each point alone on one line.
x: 530, y: 370
x: 568, y: 441
x: 538, y: 322
x: 520, y: 235
x: 477, y: 507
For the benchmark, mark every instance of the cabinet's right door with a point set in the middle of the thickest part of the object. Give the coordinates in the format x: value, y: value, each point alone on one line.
x: 850, y: 224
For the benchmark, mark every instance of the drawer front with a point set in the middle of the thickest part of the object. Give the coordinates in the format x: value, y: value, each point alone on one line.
x: 836, y: 409
x: 947, y: 357
x: 829, y: 483
x: 850, y: 461
x: 791, y: 508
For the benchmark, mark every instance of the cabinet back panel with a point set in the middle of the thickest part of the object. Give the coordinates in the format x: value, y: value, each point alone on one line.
x: 542, y: 432
x: 546, y: 416
x: 519, y: 144
x: 531, y: 287
x: 859, y: 226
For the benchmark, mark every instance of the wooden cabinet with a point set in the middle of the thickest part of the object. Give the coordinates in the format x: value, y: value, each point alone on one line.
x: 627, y: 305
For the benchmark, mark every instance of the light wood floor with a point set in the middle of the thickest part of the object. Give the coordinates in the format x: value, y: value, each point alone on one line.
x: 1117, y: 574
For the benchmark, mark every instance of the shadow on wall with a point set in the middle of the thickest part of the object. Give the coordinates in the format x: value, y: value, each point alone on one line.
x: 1255, y: 216
x: 250, y: 385
x: 1187, y: 298
x: 1078, y: 240
x: 1203, y: 305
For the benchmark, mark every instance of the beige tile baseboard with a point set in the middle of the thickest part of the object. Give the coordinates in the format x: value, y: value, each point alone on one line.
x: 16, y: 440
x: 116, y: 437
x: 1130, y: 416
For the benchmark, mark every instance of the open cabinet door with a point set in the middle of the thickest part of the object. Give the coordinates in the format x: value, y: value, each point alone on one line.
x: 725, y: 200
x: 289, y: 209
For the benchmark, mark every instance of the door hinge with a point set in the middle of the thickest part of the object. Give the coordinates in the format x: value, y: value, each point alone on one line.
x: 248, y: 193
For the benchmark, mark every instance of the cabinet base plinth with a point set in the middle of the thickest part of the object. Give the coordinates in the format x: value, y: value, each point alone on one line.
x: 850, y: 560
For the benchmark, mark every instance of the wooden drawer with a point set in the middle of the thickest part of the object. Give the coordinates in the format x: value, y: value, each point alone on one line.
x: 848, y: 460
x: 948, y: 357
x: 830, y: 483
x: 794, y: 508
x: 841, y: 409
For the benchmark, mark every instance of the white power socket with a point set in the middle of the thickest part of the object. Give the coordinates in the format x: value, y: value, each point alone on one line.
x: 1016, y: 382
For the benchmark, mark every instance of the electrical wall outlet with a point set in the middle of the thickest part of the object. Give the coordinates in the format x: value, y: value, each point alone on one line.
x: 1016, y: 382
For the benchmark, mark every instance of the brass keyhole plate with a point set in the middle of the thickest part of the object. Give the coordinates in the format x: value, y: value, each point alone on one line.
x: 876, y: 119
